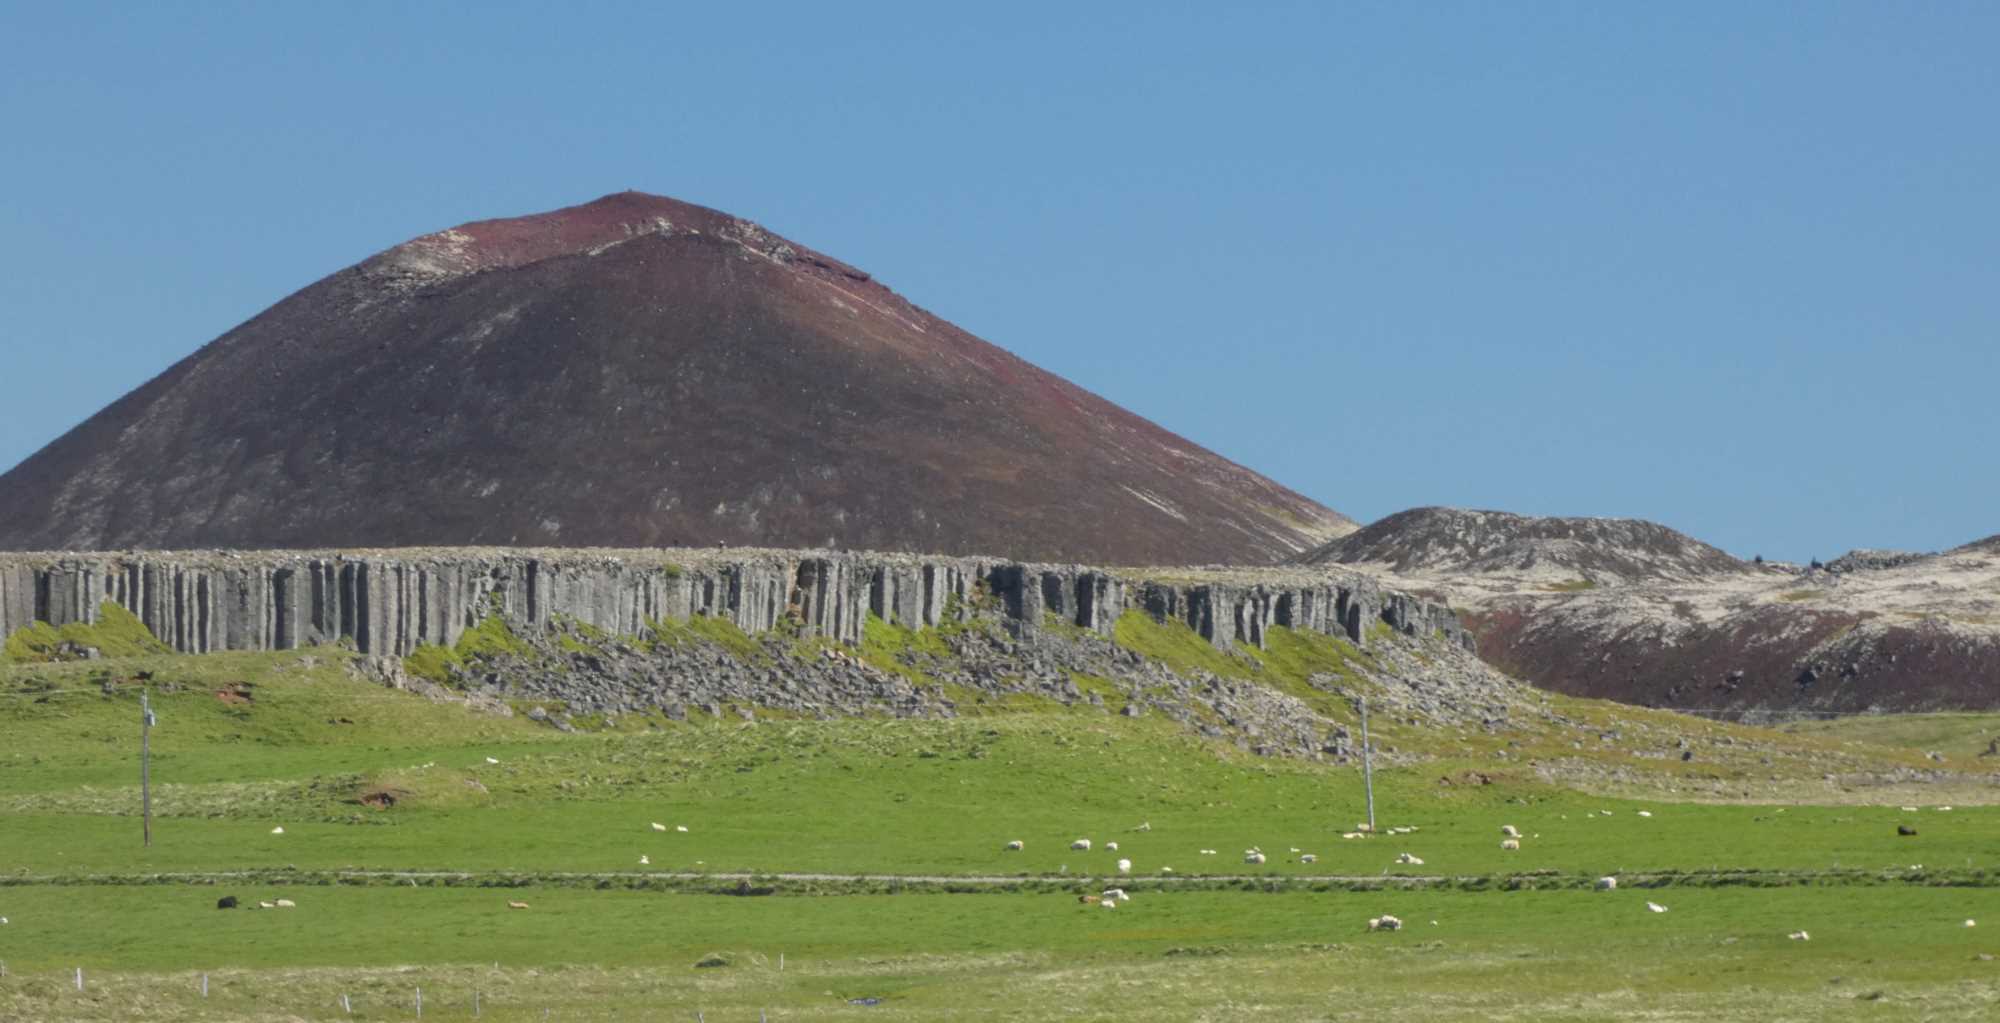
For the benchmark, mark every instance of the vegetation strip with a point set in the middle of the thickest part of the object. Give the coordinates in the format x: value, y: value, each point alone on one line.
x: 812, y: 884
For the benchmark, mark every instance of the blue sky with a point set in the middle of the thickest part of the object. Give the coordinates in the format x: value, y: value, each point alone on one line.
x: 1732, y: 267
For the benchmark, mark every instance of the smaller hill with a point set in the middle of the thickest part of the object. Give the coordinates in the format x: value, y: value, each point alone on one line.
x: 1459, y: 541
x: 1990, y: 545
x: 1870, y: 559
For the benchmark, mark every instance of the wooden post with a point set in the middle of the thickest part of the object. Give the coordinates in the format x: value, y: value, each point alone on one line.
x: 79, y: 978
x: 1367, y: 765
x: 204, y: 985
x: 475, y: 1003
x: 146, y: 764
x: 420, y: 1003
x: 346, y: 1006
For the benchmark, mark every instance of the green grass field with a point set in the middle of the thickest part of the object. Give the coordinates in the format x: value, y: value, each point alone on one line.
x: 1957, y: 735
x: 1198, y: 955
x: 366, y: 779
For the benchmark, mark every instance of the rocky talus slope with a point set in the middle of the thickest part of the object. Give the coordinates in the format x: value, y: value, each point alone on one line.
x: 1636, y: 612
x: 633, y: 372
x: 982, y: 662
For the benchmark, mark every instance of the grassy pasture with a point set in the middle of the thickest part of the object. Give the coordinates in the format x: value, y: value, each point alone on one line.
x: 856, y: 796
x: 248, y: 742
x: 1546, y: 955
x: 1952, y: 734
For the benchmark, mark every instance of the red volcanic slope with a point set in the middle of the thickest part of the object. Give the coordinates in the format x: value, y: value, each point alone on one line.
x: 635, y: 371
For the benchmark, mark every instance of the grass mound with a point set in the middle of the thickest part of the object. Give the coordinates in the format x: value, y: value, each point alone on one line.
x: 116, y: 633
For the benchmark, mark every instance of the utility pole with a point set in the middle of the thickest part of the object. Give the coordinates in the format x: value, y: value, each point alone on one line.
x: 146, y: 762
x: 1367, y: 765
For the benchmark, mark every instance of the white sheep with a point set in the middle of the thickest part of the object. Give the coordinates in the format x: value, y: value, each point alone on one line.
x: 1409, y: 859
x: 1108, y: 903
x: 1799, y: 936
x: 1607, y: 884
x: 1253, y: 857
x: 1645, y: 813
x: 657, y: 826
x: 1116, y: 893
x: 1308, y: 858
x: 1081, y: 844
x: 1166, y: 870
x: 1124, y: 866
x: 1354, y: 834
x: 1016, y: 846
x: 279, y: 830
x: 1144, y: 826
x: 682, y: 828
x: 490, y: 760
x: 1969, y: 922
x: 285, y: 904
x: 1656, y: 907
x: 1509, y: 831
x: 1110, y: 847
x: 1385, y: 923
x: 644, y: 860
x: 1510, y: 844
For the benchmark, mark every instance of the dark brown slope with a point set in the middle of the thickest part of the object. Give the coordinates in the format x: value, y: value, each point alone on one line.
x: 635, y: 371
x: 1636, y: 612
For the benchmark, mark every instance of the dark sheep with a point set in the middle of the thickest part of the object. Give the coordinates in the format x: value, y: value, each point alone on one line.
x: 226, y: 902
x: 1905, y: 830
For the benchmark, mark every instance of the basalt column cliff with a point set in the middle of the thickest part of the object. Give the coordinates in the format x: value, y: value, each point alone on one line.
x: 390, y: 602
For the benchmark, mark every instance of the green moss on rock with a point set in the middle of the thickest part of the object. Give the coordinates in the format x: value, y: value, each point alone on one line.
x: 116, y: 633
x: 492, y: 638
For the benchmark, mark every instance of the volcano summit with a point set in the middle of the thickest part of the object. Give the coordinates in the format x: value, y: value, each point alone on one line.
x: 635, y: 371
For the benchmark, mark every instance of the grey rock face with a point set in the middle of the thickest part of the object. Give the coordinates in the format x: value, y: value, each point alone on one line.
x: 1017, y: 630
x: 389, y: 602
